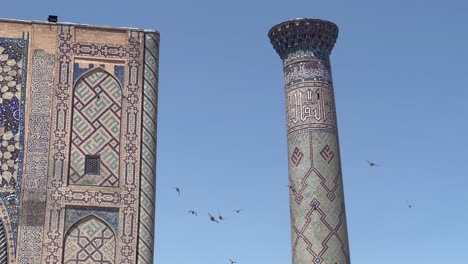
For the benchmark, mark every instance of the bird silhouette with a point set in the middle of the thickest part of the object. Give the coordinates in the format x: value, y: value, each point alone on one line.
x: 220, y: 216
x: 410, y: 205
x: 233, y: 261
x: 291, y: 187
x: 237, y: 210
x: 371, y: 164
x: 212, y: 218
x: 193, y: 212
x: 177, y: 190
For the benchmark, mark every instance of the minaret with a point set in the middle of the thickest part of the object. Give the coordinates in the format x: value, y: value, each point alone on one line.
x: 318, y: 219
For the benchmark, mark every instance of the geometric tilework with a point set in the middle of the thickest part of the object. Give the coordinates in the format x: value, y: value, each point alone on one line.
x: 13, y: 62
x: 11, y: 68
x: 97, y: 100
x: 319, y: 232
x: 61, y: 192
x: 148, y: 150
x: 326, y: 159
x: 89, y: 241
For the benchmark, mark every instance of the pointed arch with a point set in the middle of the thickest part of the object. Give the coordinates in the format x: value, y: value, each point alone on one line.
x: 90, y: 240
x: 97, y: 69
x: 95, y: 136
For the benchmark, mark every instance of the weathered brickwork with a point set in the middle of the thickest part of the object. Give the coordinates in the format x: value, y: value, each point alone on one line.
x: 318, y: 219
x: 77, y: 104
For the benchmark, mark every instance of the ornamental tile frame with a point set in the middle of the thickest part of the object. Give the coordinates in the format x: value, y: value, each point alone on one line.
x: 60, y: 193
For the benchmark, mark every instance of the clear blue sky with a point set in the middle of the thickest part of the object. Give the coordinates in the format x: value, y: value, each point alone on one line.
x: 400, y: 78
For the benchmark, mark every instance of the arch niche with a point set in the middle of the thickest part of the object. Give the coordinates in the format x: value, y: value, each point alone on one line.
x: 89, y: 240
x: 95, y: 136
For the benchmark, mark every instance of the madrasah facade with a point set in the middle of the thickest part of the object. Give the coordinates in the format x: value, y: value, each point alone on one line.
x: 78, y: 120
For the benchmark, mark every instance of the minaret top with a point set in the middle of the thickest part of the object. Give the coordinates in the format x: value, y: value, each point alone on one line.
x: 303, y: 34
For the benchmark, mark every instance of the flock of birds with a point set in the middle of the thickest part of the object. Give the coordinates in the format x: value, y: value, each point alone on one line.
x: 217, y: 219
x: 212, y: 218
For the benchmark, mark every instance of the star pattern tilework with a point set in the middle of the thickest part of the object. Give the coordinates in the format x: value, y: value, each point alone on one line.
x: 11, y: 112
x: 13, y: 62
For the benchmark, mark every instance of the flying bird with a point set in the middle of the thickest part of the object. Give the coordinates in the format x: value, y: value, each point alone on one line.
x: 237, y: 210
x: 291, y: 187
x: 193, y: 212
x: 220, y: 216
x: 212, y: 218
x: 371, y: 164
x: 409, y: 204
x: 177, y: 190
x: 233, y: 261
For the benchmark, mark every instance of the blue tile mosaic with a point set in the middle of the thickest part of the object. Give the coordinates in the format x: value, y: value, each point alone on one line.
x: 13, y: 62
x: 77, y: 71
x: 119, y: 72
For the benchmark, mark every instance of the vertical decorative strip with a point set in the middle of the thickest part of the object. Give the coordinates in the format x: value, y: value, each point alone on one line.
x: 52, y: 244
x: 59, y: 194
x: 34, y: 194
x: 148, y: 149
x: 131, y: 186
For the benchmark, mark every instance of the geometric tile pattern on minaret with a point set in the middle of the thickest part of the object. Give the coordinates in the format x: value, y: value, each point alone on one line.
x: 318, y: 219
x: 96, y: 128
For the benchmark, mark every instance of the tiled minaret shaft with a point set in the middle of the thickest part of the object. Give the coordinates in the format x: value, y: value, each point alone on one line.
x: 318, y: 219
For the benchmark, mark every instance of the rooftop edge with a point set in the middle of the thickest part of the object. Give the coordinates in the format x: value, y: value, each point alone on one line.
x: 8, y: 20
